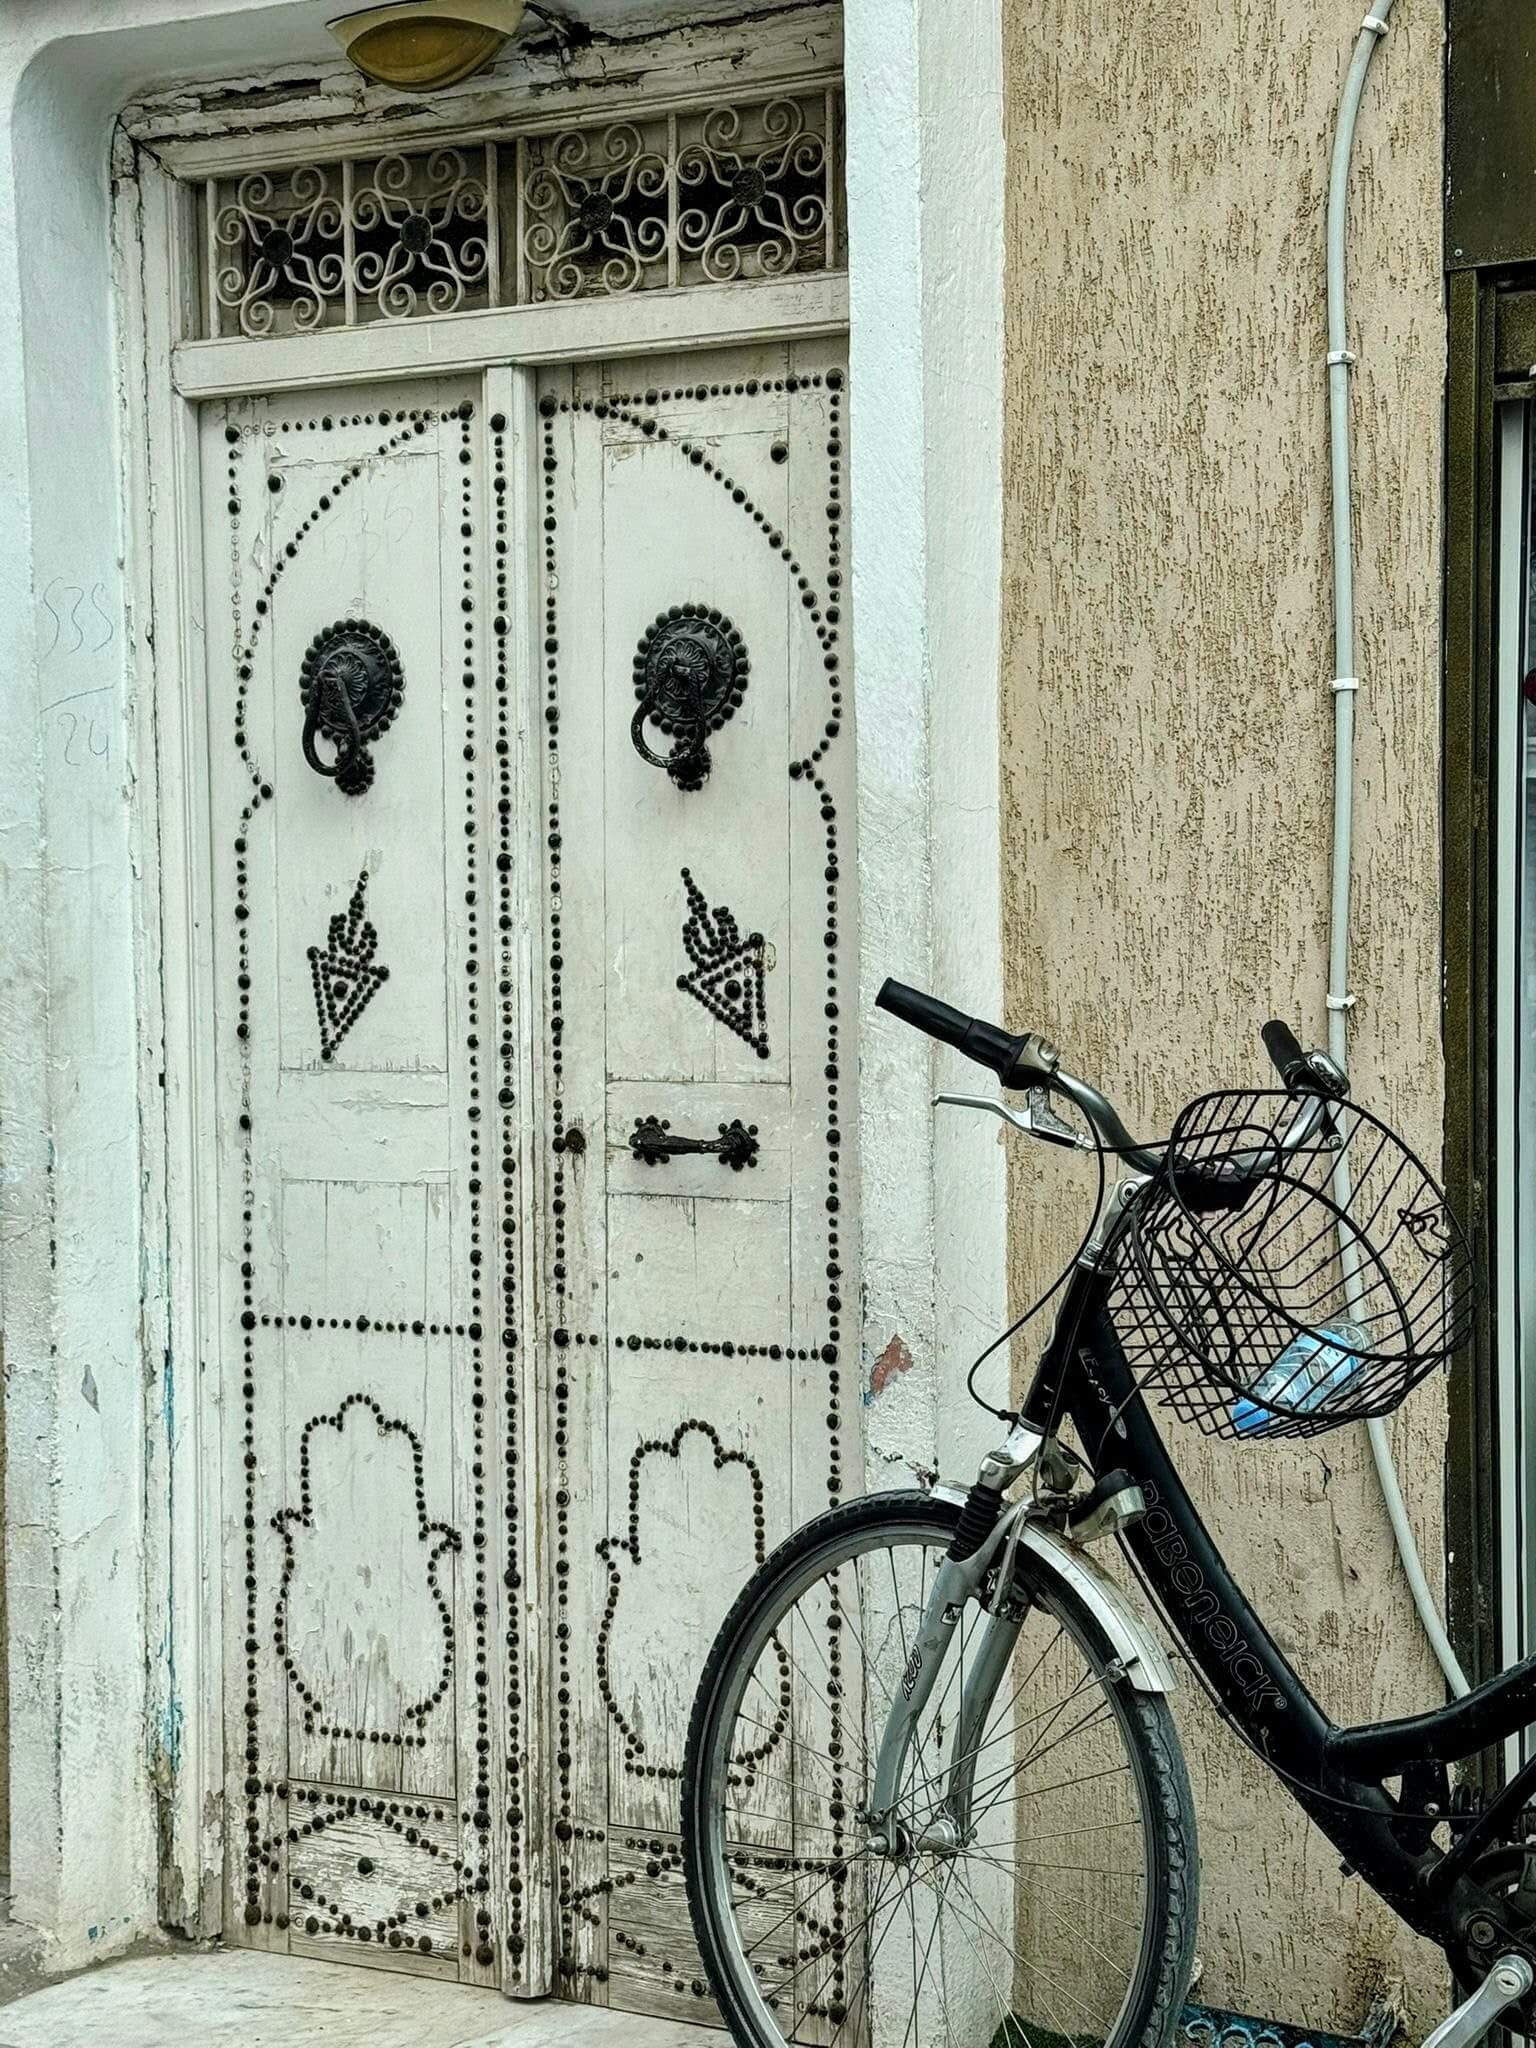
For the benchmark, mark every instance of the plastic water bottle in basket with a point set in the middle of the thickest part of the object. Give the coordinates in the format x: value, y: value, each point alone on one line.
x: 1291, y: 1268
x: 1312, y: 1368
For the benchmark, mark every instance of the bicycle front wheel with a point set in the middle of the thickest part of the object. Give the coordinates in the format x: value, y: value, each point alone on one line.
x: 1064, y: 1919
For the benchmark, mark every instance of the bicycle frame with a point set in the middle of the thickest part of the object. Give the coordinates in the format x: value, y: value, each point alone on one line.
x: 1335, y: 1773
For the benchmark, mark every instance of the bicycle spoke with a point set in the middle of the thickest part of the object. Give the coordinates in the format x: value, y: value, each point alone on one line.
x: 1005, y: 1735
x: 1004, y: 2011
x: 893, y: 1899
x: 1006, y: 1773
x: 1023, y: 1962
x: 1009, y: 1866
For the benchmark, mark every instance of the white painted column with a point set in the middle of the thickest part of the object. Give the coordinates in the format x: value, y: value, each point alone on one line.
x: 925, y: 213
x: 925, y: 222
x: 82, y: 1833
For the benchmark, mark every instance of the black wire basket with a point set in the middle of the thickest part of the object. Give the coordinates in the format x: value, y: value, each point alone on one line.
x: 1261, y: 1297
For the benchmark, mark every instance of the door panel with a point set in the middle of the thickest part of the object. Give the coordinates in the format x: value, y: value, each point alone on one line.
x: 365, y: 1653
x: 700, y: 935
x: 414, y: 1184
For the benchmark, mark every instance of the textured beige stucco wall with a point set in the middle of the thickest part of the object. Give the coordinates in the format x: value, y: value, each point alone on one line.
x: 1168, y: 749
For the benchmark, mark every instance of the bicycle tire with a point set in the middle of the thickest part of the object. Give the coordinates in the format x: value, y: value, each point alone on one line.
x: 1152, y: 2004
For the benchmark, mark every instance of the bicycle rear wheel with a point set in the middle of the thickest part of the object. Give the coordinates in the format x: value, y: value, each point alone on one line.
x: 1068, y: 1918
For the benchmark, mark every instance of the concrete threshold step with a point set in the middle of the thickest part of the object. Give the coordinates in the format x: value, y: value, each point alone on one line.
x: 235, y: 1997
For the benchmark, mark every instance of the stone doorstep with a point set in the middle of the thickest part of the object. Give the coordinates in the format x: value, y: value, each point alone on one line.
x: 236, y: 1996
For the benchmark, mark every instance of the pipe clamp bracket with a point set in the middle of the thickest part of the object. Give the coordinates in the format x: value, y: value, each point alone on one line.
x: 1373, y: 25
x: 1346, y: 356
x: 1341, y: 1002
x: 1344, y: 683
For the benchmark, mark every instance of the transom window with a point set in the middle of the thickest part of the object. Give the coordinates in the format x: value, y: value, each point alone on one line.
x: 738, y: 192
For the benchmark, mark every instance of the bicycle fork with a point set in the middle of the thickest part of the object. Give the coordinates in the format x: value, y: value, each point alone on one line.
x: 948, y: 1826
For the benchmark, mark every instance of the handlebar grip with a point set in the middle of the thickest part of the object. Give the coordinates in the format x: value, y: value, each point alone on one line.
x: 1284, y: 1049
x: 1018, y: 1062
x: 925, y: 1013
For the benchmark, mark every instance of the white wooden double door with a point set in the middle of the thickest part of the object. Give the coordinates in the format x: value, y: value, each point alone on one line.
x: 533, y: 955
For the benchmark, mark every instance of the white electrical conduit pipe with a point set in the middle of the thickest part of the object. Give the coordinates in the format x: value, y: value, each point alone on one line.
x: 1345, y: 690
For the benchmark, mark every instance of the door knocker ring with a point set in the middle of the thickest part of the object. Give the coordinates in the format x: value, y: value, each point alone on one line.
x: 350, y: 684
x: 690, y: 675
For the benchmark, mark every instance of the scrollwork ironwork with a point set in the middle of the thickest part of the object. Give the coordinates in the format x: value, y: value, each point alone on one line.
x: 596, y: 207
x: 740, y: 190
x: 284, y: 244
x: 418, y: 215
x: 759, y: 176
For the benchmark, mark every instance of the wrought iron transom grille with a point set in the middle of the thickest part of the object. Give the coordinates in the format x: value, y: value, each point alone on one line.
x: 739, y: 191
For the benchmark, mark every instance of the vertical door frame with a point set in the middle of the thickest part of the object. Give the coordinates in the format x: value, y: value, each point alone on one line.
x: 511, y: 390
x: 1479, y: 1438
x: 1511, y: 485
x: 1489, y: 1468
x: 184, y: 1502
x: 1490, y: 251
x: 925, y: 197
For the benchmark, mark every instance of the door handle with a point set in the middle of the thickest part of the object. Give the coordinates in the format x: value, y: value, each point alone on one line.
x: 653, y: 1141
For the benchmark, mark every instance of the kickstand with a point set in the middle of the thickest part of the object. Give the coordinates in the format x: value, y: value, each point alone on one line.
x: 1505, y: 1985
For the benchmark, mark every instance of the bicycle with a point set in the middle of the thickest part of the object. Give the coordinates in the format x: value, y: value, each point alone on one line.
x: 933, y: 1792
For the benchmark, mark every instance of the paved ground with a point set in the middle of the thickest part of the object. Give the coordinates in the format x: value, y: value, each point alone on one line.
x: 219, y: 2000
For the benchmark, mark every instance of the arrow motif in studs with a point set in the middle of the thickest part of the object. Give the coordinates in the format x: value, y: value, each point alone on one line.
x: 727, y: 969
x: 344, y: 971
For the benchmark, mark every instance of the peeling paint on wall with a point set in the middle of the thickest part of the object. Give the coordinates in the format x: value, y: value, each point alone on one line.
x: 894, y: 1360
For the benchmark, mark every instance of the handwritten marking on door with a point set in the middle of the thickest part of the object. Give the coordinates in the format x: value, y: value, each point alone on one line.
x: 72, y: 623
x: 371, y: 539
x: 75, y: 627
x: 86, y: 734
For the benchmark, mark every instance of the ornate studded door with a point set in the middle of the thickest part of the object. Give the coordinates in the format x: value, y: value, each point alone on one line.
x: 359, y: 713
x: 457, y: 1680
x: 698, y: 1067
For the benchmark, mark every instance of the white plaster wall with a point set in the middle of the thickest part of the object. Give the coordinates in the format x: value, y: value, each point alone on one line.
x: 98, y: 1713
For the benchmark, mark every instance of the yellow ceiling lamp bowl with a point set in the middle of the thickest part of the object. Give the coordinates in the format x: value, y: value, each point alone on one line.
x: 424, y: 45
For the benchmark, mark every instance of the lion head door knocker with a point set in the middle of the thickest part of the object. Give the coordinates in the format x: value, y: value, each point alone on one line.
x: 690, y: 674
x: 351, y: 685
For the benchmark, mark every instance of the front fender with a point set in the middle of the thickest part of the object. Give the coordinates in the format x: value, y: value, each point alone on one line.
x: 1146, y: 1662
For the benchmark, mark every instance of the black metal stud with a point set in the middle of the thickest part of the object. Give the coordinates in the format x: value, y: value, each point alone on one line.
x: 264, y: 1864
x: 612, y: 1549
x: 727, y: 973
x: 582, y: 1929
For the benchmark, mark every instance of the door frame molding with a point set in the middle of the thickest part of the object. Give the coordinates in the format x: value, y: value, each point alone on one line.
x: 924, y: 151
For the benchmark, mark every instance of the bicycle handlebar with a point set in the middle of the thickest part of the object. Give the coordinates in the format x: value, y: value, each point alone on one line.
x: 1027, y: 1060
x: 1018, y: 1062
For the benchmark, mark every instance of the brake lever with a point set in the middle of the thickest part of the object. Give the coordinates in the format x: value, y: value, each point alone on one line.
x: 1037, y: 1119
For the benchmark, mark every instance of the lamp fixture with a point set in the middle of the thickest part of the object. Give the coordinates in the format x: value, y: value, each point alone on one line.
x: 424, y: 45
